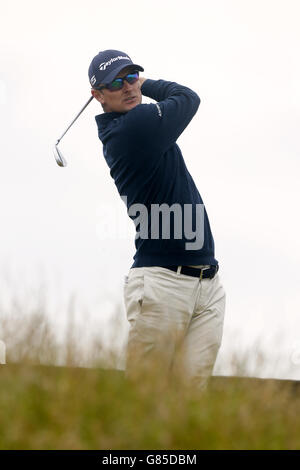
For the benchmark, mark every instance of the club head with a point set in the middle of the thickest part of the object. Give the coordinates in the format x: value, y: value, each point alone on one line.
x: 60, y: 160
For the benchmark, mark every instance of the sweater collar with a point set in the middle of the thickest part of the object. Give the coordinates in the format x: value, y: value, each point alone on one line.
x: 105, y: 118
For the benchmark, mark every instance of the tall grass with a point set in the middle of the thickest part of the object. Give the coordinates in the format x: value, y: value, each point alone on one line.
x: 86, y: 403
x: 33, y: 335
x: 44, y: 407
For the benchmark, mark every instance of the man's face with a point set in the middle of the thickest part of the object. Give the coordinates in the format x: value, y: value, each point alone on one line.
x: 122, y: 100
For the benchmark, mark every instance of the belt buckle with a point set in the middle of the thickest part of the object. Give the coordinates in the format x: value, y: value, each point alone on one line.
x: 201, y: 274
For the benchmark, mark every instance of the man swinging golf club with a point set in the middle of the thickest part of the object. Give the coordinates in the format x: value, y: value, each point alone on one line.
x: 173, y: 296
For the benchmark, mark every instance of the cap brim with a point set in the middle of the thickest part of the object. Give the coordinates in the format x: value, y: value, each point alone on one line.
x: 115, y: 72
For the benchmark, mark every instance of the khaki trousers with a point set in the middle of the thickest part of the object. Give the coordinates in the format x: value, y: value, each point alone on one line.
x: 176, y: 322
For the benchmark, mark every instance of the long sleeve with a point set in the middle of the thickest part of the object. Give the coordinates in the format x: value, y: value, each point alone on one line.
x: 159, y: 125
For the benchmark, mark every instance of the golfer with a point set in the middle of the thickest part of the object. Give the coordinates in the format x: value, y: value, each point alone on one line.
x: 175, y: 302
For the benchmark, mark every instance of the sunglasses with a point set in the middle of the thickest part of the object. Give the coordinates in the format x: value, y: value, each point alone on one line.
x: 118, y: 83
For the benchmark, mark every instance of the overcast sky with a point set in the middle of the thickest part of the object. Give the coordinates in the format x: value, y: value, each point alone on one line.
x: 242, y: 148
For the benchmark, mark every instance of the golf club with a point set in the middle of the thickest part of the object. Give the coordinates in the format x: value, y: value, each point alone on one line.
x: 60, y: 160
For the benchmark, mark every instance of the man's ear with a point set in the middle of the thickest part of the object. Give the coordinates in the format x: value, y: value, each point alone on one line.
x: 97, y: 95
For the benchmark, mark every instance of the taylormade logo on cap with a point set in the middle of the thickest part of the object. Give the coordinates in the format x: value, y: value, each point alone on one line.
x: 107, y: 64
x: 113, y: 59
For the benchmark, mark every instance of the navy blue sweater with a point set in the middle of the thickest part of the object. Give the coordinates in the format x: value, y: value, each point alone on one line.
x: 148, y: 168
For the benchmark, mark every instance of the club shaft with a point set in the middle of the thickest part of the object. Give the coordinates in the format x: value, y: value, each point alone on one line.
x: 88, y: 102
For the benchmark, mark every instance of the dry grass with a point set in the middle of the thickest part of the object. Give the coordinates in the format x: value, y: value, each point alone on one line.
x: 67, y: 395
x: 44, y: 407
